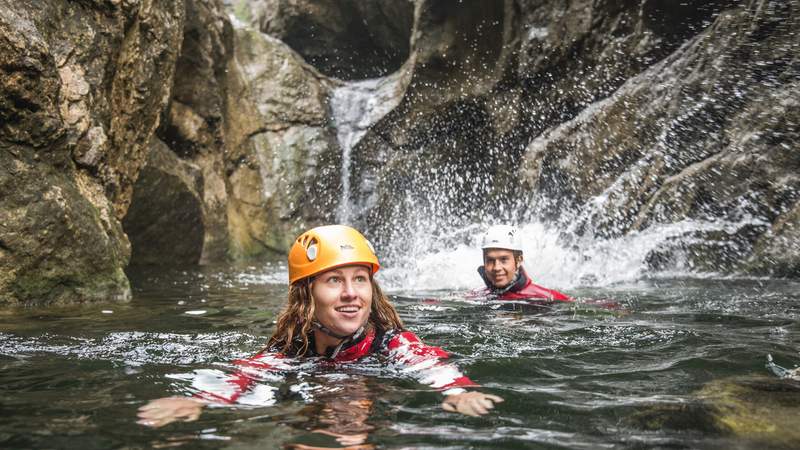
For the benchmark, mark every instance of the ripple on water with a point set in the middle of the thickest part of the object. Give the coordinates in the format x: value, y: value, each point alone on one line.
x: 136, y: 348
x: 502, y: 435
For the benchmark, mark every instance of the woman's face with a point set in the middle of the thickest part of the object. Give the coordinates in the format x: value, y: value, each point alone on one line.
x: 343, y: 298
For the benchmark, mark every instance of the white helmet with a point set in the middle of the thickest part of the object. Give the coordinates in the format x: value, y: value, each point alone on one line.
x: 502, y: 236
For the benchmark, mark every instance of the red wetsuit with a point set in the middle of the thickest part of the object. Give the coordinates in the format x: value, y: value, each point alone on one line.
x: 522, y: 288
x: 423, y: 362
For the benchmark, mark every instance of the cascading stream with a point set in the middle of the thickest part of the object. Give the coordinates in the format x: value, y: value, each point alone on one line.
x: 355, y: 108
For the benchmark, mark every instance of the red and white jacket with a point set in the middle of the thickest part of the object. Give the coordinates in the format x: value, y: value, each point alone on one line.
x: 404, y: 348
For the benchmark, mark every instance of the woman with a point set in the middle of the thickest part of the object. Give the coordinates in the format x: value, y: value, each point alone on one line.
x: 336, y: 312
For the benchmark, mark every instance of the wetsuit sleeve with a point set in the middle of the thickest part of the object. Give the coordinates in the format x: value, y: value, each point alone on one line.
x: 240, y: 386
x: 426, y: 363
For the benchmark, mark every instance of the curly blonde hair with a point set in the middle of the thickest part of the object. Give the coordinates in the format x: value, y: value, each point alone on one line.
x: 294, y: 324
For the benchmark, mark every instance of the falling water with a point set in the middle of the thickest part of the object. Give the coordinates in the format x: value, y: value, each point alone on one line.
x: 355, y: 107
x: 552, y: 258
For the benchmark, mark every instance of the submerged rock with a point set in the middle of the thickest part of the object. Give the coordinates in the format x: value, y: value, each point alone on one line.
x: 760, y: 412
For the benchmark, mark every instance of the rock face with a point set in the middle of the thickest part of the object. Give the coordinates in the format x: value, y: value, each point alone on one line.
x: 346, y: 39
x: 487, y: 77
x: 282, y: 164
x: 82, y: 86
x: 164, y: 222
x: 194, y: 129
x: 434, y: 157
x: 707, y: 135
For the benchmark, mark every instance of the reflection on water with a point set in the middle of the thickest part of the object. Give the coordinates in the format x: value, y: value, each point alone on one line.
x: 681, y: 364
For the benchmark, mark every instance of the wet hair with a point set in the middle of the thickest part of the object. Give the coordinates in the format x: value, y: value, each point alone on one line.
x: 294, y: 324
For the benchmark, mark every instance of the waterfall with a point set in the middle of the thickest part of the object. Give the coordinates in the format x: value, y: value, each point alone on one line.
x: 551, y: 259
x: 355, y: 107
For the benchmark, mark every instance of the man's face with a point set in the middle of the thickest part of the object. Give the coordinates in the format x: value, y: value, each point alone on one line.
x: 500, y: 266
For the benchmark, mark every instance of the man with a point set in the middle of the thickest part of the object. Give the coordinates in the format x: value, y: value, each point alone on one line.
x: 502, y: 269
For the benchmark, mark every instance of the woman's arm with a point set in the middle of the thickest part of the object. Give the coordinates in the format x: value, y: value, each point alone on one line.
x: 162, y: 411
x: 472, y: 403
x: 425, y: 363
x: 214, y: 388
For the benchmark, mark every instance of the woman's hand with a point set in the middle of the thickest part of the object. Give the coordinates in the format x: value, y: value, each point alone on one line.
x: 162, y: 411
x: 470, y: 403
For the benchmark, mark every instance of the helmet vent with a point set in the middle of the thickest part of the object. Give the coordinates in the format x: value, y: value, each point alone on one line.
x: 311, y: 250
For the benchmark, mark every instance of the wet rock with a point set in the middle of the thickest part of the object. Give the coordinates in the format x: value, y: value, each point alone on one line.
x: 573, y: 54
x: 485, y: 77
x: 165, y: 220
x: 694, y: 416
x: 194, y: 126
x: 775, y: 251
x: 698, y: 137
x: 758, y: 411
x: 282, y: 164
x: 432, y: 159
x: 46, y: 221
x: 83, y: 85
x: 346, y: 39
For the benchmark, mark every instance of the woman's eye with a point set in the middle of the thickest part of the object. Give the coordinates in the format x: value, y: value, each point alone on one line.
x: 334, y: 280
x: 361, y: 279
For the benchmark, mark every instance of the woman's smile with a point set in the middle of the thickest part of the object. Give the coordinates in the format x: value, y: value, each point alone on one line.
x: 343, y: 298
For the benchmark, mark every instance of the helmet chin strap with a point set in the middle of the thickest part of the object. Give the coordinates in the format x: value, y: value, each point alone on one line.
x: 346, y: 338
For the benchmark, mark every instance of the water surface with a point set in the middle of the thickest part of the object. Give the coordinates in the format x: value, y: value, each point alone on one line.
x: 680, y: 365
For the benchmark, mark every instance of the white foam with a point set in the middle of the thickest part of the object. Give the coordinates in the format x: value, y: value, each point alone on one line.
x: 552, y: 259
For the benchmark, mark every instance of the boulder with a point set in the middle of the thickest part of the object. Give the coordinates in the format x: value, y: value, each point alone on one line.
x: 83, y: 85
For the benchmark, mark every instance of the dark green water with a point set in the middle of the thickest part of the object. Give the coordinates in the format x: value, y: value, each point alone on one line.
x: 682, y: 367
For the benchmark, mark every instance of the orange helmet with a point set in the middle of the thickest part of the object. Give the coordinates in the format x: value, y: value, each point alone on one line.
x: 323, y: 248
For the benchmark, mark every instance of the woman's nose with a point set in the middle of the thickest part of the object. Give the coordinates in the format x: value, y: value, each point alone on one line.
x: 348, y: 289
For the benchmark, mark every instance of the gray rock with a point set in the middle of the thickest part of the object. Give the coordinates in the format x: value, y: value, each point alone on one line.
x: 706, y: 135
x: 346, y: 39
x: 165, y: 220
x: 282, y: 163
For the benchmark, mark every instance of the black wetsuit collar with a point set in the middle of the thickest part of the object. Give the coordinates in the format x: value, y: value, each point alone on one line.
x: 332, y: 351
x: 519, y: 282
